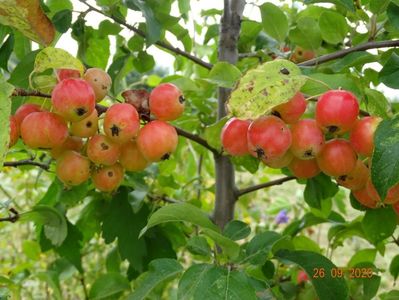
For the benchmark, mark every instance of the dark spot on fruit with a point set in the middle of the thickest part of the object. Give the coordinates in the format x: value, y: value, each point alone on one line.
x: 110, y: 174
x: 88, y: 124
x: 80, y: 111
x: 308, y: 153
x: 300, y: 52
x: 285, y: 71
x: 260, y: 153
x: 104, y: 146
x: 115, y: 130
x: 342, y: 177
x: 104, y: 87
x: 95, y: 79
x: 276, y: 113
x: 181, y: 99
x: 165, y: 156
x: 332, y: 129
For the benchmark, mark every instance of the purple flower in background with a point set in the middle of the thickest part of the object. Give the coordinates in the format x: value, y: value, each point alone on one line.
x: 281, y: 217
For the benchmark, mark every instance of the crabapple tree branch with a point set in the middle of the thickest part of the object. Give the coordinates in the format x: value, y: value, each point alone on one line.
x: 344, y: 52
x: 13, y: 217
x: 161, y: 44
x: 26, y: 162
x: 264, y: 185
x: 102, y: 109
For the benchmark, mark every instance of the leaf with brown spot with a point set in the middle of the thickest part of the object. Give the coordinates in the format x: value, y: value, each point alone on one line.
x: 28, y: 17
x: 264, y: 87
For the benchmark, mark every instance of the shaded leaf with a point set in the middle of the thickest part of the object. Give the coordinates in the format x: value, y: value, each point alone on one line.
x: 236, y: 230
x: 6, y: 90
x: 379, y: 224
x: 198, y: 245
x: 108, y: 285
x: 224, y: 74
x: 389, y: 75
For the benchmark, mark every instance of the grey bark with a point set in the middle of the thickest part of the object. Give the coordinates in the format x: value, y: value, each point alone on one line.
x: 225, y: 182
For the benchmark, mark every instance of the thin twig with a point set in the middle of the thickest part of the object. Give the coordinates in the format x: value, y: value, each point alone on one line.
x: 25, y: 93
x: 264, y: 185
x: 83, y: 283
x: 161, y: 198
x: 13, y: 217
x: 161, y: 44
x: 198, y: 140
x: 26, y: 162
x: 344, y: 52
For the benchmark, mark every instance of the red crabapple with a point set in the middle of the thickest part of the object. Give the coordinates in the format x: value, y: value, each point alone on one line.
x: 300, y: 55
x: 86, y: 127
x: 72, y: 168
x: 67, y: 73
x: 44, y: 130
x: 291, y: 111
x: 302, y: 277
x: 71, y: 143
x: 131, y: 158
x: 279, y: 162
x: 362, y: 135
x: 166, y: 102
x: 102, y: 151
x: 24, y: 110
x: 14, y: 131
x: 109, y: 178
x: 100, y: 81
x: 337, y: 111
x: 357, y: 178
x: 391, y: 197
x: 337, y: 158
x: 307, y: 139
x: 234, y: 137
x: 121, y: 122
x: 304, y: 169
x: 73, y: 99
x: 268, y: 137
x: 363, y: 197
x: 157, y: 140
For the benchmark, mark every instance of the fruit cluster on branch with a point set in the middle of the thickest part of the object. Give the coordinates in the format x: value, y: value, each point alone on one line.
x: 335, y: 142
x: 84, y: 145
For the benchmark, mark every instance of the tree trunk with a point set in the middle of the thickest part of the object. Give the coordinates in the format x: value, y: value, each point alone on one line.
x: 225, y: 182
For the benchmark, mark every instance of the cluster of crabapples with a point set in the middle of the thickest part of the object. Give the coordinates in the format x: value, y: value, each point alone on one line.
x: 72, y: 133
x: 336, y: 142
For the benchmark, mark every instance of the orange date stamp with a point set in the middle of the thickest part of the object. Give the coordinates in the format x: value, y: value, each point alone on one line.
x: 352, y: 273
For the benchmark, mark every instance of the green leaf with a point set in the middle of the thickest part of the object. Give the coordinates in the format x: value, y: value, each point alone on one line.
x: 393, y: 14
x: 264, y: 87
x: 96, y: 50
x: 354, y: 59
x: 392, y: 295
x: 389, y: 75
x: 153, y: 27
x: 55, y: 225
x: 302, y: 242
x: 333, y: 27
x: 306, y: 33
x: 378, y: 6
x: 394, y: 267
x: 19, y: 77
x: 108, y: 286
x: 212, y: 32
x: 248, y: 162
x: 361, y: 256
x: 258, y: 249
x: 31, y: 249
x: 6, y: 91
x: 119, y: 222
x: 236, y: 230
x: 160, y: 271
x: 274, y: 21
x: 108, y: 28
x: 224, y: 74
x: 348, y: 4
x: 62, y: 20
x: 205, y: 281
x: 385, y: 166
x: 377, y: 103
x: 319, y: 188
x: 185, y: 212
x: 51, y: 278
x: 198, y: 245
x: 212, y: 133
x: 144, y: 62
x: 184, y: 7
x: 5, y: 52
x: 54, y: 58
x: 379, y: 224
x: 327, y: 288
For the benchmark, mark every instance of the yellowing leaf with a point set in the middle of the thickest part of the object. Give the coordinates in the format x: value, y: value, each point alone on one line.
x: 264, y: 87
x: 28, y: 17
x: 54, y: 58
